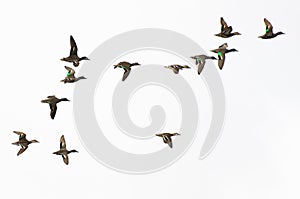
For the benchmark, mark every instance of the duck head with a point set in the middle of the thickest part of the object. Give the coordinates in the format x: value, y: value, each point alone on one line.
x: 280, y: 33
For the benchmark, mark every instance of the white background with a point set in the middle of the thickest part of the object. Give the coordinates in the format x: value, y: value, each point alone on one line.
x: 258, y: 154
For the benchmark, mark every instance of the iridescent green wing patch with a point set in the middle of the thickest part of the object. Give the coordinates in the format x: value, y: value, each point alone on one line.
x: 267, y: 29
x: 69, y: 73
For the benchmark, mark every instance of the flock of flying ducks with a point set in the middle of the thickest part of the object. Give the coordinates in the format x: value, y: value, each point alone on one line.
x: 226, y: 32
x: 221, y: 51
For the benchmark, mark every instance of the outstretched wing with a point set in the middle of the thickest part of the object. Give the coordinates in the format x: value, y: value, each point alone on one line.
x: 62, y: 142
x: 201, y: 66
x: 227, y: 30
x: 21, y: 134
x: 223, y: 24
x: 71, y: 71
x: 65, y: 158
x: 168, y: 140
x: 53, y: 109
x: 126, y: 73
x: 269, y: 27
x: 175, y: 70
x: 22, y: 149
x: 74, y: 48
x: 221, y: 60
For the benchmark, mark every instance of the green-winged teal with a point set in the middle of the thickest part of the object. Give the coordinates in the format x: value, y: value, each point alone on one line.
x: 23, y: 142
x: 73, y: 57
x: 52, y: 101
x: 269, y: 31
x: 167, y: 138
x: 200, y: 61
x: 70, y: 78
x: 226, y: 31
x: 63, y: 150
x: 221, y: 51
x: 127, y: 68
x: 175, y: 67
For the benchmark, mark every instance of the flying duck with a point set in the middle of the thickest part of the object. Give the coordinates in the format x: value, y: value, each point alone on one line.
x: 221, y: 51
x: 70, y: 78
x: 167, y: 138
x: 226, y: 31
x: 175, y: 67
x: 52, y: 101
x: 23, y: 142
x: 200, y: 61
x: 269, y: 31
x: 73, y: 57
x: 127, y: 68
x: 63, y: 150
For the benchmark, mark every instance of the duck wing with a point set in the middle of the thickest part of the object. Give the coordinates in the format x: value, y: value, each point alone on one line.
x: 224, y: 25
x: 21, y: 134
x: 126, y: 73
x: 62, y: 142
x: 22, y: 149
x: 221, y: 60
x: 168, y: 140
x: 71, y: 71
x: 227, y: 30
x: 201, y: 66
x: 53, y: 109
x: 65, y: 158
x: 269, y: 27
x: 74, y: 48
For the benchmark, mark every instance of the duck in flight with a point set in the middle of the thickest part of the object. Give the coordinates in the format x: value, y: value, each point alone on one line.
x: 70, y: 78
x: 127, y: 68
x: 23, y: 142
x: 167, y: 138
x: 52, y: 101
x: 200, y: 61
x: 63, y: 150
x: 269, y: 31
x: 73, y: 57
x: 175, y: 67
x: 226, y: 31
x: 221, y: 51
